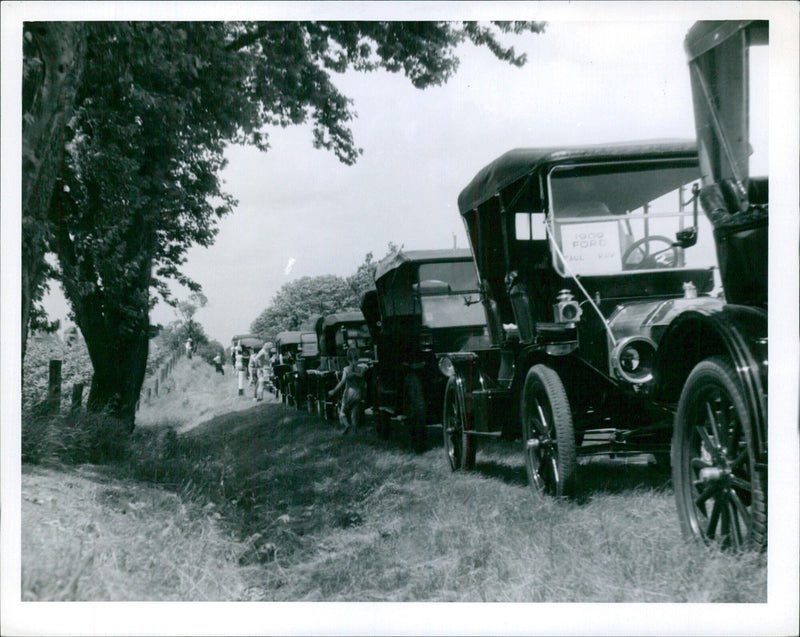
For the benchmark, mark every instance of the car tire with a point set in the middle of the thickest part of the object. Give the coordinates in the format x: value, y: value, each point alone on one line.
x: 720, y: 493
x: 459, y: 447
x: 548, y: 435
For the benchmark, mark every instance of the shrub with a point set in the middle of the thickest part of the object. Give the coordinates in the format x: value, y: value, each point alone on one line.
x: 207, y: 351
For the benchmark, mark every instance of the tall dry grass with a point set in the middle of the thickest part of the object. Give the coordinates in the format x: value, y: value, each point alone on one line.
x: 89, y: 536
x: 270, y: 503
x: 362, y: 519
x: 91, y: 532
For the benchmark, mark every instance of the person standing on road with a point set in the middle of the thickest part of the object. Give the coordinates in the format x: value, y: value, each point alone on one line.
x: 259, y: 362
x: 352, y: 407
x: 240, y: 369
x: 218, y: 364
x: 188, y: 347
x: 251, y: 369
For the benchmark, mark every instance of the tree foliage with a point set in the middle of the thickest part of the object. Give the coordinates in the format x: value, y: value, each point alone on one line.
x: 299, y: 300
x: 150, y: 108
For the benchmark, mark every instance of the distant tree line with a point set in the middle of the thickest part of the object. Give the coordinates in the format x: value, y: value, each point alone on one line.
x: 299, y: 300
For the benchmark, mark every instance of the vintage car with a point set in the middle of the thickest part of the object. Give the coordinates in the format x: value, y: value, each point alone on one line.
x: 425, y: 303
x: 713, y: 363
x: 287, y: 345
x: 306, y: 359
x: 250, y: 344
x: 586, y: 257
x: 336, y: 333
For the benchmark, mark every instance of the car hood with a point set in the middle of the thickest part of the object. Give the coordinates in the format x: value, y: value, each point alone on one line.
x: 650, y: 318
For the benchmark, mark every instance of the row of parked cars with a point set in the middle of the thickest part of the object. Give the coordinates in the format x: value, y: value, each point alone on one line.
x: 613, y: 302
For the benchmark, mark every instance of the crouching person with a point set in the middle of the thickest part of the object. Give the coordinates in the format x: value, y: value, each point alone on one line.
x: 352, y: 407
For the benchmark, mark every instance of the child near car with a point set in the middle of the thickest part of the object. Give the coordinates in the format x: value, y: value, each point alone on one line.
x: 354, y: 384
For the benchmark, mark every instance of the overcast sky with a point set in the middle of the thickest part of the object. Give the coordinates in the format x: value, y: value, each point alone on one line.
x: 301, y: 212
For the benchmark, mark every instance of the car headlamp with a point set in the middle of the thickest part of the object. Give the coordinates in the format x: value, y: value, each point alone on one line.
x: 632, y: 359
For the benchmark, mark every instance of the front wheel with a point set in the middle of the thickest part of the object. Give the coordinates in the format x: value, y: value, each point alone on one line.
x: 547, y: 433
x: 459, y: 447
x: 721, y: 496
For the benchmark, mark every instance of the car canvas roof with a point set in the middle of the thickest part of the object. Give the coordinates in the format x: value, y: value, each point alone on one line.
x: 520, y: 162
x: 343, y: 317
x: 288, y: 338
x: 709, y: 34
x: 392, y: 262
x: 248, y: 340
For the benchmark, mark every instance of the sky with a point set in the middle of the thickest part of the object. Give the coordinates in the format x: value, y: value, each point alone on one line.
x: 303, y: 213
x: 601, y: 72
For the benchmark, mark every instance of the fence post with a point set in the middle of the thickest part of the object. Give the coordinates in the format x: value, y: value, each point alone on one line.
x: 54, y: 388
x: 77, y: 397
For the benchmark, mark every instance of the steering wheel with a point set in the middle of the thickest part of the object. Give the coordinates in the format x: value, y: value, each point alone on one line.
x: 639, y: 257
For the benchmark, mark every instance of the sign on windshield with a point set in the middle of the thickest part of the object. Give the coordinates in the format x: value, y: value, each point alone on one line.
x: 608, y: 219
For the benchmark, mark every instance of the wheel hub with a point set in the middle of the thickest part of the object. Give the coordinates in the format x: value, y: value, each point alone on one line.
x: 713, y: 474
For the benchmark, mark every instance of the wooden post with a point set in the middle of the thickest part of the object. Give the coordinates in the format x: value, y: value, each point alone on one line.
x: 77, y: 397
x: 54, y: 388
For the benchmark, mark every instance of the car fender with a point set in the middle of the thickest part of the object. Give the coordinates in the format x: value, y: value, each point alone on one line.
x: 736, y: 331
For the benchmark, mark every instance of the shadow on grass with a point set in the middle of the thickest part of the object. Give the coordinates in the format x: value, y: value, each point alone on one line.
x: 594, y: 475
x: 604, y: 475
x: 513, y: 475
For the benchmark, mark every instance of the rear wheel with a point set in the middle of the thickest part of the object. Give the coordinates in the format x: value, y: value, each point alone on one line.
x: 459, y: 447
x: 547, y: 433
x: 721, y: 496
x: 414, y: 411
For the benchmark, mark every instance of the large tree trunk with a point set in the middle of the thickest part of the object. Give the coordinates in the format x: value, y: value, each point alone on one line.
x: 113, y: 315
x: 119, y: 361
x: 48, y: 97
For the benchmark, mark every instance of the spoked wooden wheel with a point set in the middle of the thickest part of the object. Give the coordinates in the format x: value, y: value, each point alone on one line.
x: 721, y: 496
x: 547, y: 433
x: 459, y: 447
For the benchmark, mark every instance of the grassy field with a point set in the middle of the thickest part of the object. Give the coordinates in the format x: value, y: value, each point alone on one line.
x: 266, y: 503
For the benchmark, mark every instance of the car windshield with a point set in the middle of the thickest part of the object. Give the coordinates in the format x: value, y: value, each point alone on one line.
x: 357, y: 336
x: 448, y: 277
x: 452, y: 311
x: 608, y: 219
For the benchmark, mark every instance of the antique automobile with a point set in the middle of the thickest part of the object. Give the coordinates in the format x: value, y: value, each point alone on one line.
x: 586, y: 256
x: 713, y: 364
x: 336, y: 333
x: 425, y: 303
x: 287, y: 345
x: 250, y: 344
x: 305, y: 360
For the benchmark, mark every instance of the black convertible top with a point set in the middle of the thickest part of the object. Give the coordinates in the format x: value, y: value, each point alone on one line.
x: 394, y: 261
x: 342, y: 317
x: 288, y: 338
x: 708, y: 34
x: 520, y: 162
